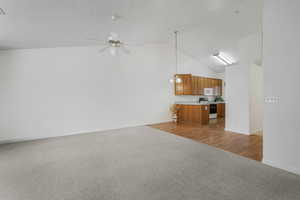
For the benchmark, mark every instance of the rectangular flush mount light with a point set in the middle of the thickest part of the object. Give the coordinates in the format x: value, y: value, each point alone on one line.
x: 223, y: 58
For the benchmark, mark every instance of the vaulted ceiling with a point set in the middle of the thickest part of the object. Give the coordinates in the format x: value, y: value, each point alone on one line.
x: 205, y: 25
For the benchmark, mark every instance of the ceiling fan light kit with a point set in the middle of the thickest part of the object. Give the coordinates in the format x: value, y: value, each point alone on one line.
x: 115, y: 17
x: 113, y: 43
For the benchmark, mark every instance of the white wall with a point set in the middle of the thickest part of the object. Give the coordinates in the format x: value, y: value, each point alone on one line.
x: 237, y: 99
x: 238, y: 85
x: 57, y: 91
x: 256, y: 98
x: 281, y: 79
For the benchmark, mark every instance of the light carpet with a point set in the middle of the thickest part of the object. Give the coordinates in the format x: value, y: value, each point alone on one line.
x: 139, y: 163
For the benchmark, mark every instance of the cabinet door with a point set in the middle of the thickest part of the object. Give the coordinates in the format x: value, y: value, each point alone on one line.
x: 204, y: 114
x: 196, y: 89
x: 185, y: 86
x: 194, y: 113
x: 215, y: 83
x: 178, y: 86
x: 210, y: 83
x: 198, y: 86
x: 220, y: 110
x: 189, y: 113
x: 202, y: 85
x: 223, y: 109
x: 194, y: 85
x: 206, y: 82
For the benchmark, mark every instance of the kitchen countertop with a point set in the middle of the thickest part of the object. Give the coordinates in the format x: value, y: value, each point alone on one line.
x: 197, y: 103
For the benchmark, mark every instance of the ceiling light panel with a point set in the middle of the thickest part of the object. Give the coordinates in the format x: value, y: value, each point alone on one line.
x: 221, y: 60
x: 224, y: 58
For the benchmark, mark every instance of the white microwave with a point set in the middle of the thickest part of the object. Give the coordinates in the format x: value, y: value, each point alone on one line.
x: 209, y: 91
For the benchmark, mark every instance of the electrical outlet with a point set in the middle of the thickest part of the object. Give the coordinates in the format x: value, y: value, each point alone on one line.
x: 272, y: 99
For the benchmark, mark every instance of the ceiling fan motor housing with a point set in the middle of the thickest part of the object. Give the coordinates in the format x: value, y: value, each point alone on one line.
x: 115, y: 43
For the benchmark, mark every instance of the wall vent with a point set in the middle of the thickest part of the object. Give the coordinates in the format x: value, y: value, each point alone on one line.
x: 2, y: 12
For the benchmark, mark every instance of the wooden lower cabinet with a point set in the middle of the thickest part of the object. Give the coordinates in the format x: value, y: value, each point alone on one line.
x: 204, y: 114
x: 221, y: 110
x: 194, y: 113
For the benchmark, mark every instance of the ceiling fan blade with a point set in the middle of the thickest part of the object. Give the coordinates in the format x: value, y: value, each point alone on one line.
x: 134, y: 44
x: 145, y: 44
x: 103, y: 49
x: 92, y: 39
x: 125, y: 50
x: 99, y: 42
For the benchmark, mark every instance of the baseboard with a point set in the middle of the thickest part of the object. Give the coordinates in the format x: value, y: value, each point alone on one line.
x: 237, y: 131
x: 291, y: 169
x: 31, y: 138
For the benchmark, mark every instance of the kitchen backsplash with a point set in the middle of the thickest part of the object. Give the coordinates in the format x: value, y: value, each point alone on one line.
x: 188, y: 98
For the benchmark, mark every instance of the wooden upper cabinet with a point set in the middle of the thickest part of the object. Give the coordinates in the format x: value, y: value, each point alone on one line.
x: 197, y: 85
x: 215, y: 83
x: 185, y: 86
x: 209, y: 82
x: 178, y: 86
x: 206, y: 82
x: 194, y: 85
x: 202, y: 85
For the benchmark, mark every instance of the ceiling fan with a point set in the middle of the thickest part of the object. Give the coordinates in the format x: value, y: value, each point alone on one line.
x: 113, y: 44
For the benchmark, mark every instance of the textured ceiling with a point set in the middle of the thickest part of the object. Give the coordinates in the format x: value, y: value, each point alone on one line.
x: 205, y: 25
